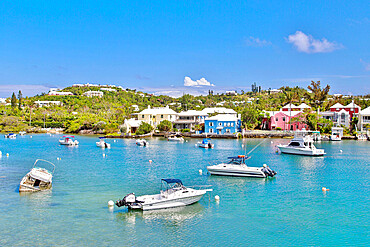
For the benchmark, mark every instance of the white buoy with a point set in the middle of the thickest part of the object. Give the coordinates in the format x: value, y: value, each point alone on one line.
x: 114, y: 141
x: 110, y: 203
x: 200, y: 172
x: 272, y: 142
x: 217, y: 198
x: 195, y: 145
x: 103, y: 155
x: 150, y: 161
x: 30, y: 136
x: 57, y: 158
x: 1, y: 153
x: 341, y: 151
x: 7, y: 154
x: 242, y: 145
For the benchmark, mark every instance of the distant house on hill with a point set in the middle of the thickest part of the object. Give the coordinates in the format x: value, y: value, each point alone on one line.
x: 93, y: 94
x: 56, y: 93
x: 108, y: 89
x: 231, y: 93
x: 40, y: 103
x: 155, y: 115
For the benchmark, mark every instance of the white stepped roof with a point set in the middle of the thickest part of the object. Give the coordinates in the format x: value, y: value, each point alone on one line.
x: 337, y: 105
x: 223, y: 117
x: 288, y: 106
x: 304, y: 105
x: 158, y: 110
x: 352, y: 105
x: 192, y: 113
x: 365, y: 111
x: 219, y: 110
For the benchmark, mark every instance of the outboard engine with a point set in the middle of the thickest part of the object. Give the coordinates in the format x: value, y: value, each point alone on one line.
x: 127, y: 200
x: 268, y: 172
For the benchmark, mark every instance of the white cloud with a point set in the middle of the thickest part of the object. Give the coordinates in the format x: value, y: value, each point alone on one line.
x: 252, y: 41
x: 188, y: 82
x: 306, y: 43
x: 27, y: 89
x: 367, y: 65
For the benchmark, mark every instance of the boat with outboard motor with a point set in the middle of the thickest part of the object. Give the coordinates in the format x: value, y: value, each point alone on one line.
x: 38, y: 178
x: 237, y: 167
x: 141, y: 142
x: 175, y: 139
x: 68, y: 141
x: 102, y: 144
x: 174, y: 194
x: 301, y: 144
x: 206, y: 143
x: 336, y: 134
x: 11, y: 136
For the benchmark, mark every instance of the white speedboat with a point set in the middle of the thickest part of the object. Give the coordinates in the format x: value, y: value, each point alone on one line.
x: 11, y: 136
x: 175, y: 194
x: 38, y: 178
x: 301, y: 144
x: 175, y: 139
x: 102, y: 144
x: 22, y: 133
x: 206, y: 143
x: 336, y: 134
x: 236, y: 167
x: 141, y: 142
x: 68, y: 141
x: 362, y: 137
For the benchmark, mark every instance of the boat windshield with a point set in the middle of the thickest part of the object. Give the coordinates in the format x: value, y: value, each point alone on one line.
x: 237, y: 160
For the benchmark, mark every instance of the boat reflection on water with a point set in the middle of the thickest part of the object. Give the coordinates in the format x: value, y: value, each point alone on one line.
x: 171, y: 215
x: 38, y: 200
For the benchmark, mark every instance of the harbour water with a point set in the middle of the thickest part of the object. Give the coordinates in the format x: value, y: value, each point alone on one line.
x: 290, y: 209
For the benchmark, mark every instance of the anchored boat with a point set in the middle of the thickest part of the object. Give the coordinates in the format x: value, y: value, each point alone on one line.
x: 101, y: 143
x: 175, y: 139
x: 238, y: 168
x: 11, y: 136
x: 38, y: 178
x: 206, y: 143
x: 174, y: 194
x: 68, y: 141
x: 141, y: 142
x: 301, y: 144
x: 336, y: 134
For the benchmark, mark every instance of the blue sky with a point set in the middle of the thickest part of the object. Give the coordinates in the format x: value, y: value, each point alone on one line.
x: 169, y: 46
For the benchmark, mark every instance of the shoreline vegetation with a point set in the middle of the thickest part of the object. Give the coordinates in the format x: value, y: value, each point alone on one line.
x: 79, y: 114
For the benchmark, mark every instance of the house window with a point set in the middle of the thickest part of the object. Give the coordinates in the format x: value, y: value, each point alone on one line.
x: 220, y: 124
x: 228, y: 124
x: 277, y: 119
x: 225, y: 124
x: 210, y: 130
x: 232, y: 124
x: 161, y: 116
x: 227, y: 130
x: 142, y: 116
x: 283, y: 119
x: 211, y: 124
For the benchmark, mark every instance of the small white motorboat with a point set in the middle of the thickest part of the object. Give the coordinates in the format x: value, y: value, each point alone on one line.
x: 175, y: 139
x: 22, y: 133
x: 301, y: 144
x: 206, y: 143
x: 236, y: 167
x: 102, y: 144
x: 11, y: 136
x: 362, y: 137
x: 174, y: 194
x: 141, y: 142
x: 336, y: 134
x: 38, y: 178
x: 68, y: 141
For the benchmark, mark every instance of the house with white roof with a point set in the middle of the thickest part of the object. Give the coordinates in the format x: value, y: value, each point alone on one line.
x: 340, y: 114
x: 108, y: 89
x: 131, y: 125
x: 41, y: 103
x: 155, y: 115
x: 57, y: 93
x: 222, y: 124
x: 364, y: 119
x: 93, y: 94
x: 292, y: 107
x: 188, y: 119
x: 220, y: 110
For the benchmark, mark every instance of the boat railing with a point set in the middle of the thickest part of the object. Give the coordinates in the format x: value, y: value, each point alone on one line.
x: 200, y: 187
x: 34, y: 165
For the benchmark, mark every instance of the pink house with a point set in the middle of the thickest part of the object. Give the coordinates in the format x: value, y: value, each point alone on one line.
x: 292, y: 120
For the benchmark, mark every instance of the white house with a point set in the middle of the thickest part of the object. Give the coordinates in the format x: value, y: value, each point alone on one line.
x: 232, y: 93
x: 188, y: 119
x: 364, y: 119
x: 220, y: 110
x: 108, y: 89
x: 56, y: 93
x: 40, y: 103
x: 154, y: 116
x: 136, y: 107
x: 131, y: 125
x: 93, y: 94
x: 2, y: 100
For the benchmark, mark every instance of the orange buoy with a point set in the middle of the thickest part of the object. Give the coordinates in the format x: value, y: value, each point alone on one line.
x: 150, y: 161
x: 324, y: 189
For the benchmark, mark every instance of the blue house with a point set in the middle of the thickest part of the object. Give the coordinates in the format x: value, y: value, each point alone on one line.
x: 222, y: 124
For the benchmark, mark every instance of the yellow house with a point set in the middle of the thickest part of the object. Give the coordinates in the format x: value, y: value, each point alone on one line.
x: 155, y: 115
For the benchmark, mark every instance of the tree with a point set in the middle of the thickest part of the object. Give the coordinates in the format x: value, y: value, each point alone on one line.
x: 144, y: 128
x: 20, y: 97
x: 251, y: 117
x: 13, y: 101
x: 165, y: 125
x: 317, y: 95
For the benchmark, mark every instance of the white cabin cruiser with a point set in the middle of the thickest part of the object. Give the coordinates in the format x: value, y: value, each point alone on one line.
x: 236, y: 167
x: 11, y: 136
x: 22, y: 133
x: 336, y: 134
x: 141, y: 142
x: 206, y: 143
x: 301, y: 144
x: 37, y: 179
x: 68, y: 141
x: 102, y: 144
x: 175, y: 139
x: 175, y: 194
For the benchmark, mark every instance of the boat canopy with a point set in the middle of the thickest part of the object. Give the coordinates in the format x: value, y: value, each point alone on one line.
x: 206, y: 141
x: 69, y: 136
x: 238, y: 159
x: 172, y: 180
x: 102, y: 137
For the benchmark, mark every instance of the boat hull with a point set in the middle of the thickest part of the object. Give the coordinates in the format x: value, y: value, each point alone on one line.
x: 171, y: 203
x: 235, y: 173
x: 301, y: 151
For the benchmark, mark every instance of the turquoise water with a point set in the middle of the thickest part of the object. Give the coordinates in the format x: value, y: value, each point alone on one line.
x: 290, y: 209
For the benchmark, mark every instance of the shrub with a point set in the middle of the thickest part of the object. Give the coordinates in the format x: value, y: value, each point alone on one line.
x: 144, y: 128
x: 185, y: 130
x: 165, y: 125
x: 278, y: 128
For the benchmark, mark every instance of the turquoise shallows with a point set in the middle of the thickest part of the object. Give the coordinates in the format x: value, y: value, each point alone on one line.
x: 289, y: 210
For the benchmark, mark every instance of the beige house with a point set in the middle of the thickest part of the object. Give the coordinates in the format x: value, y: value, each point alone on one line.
x: 155, y: 115
x: 131, y: 125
